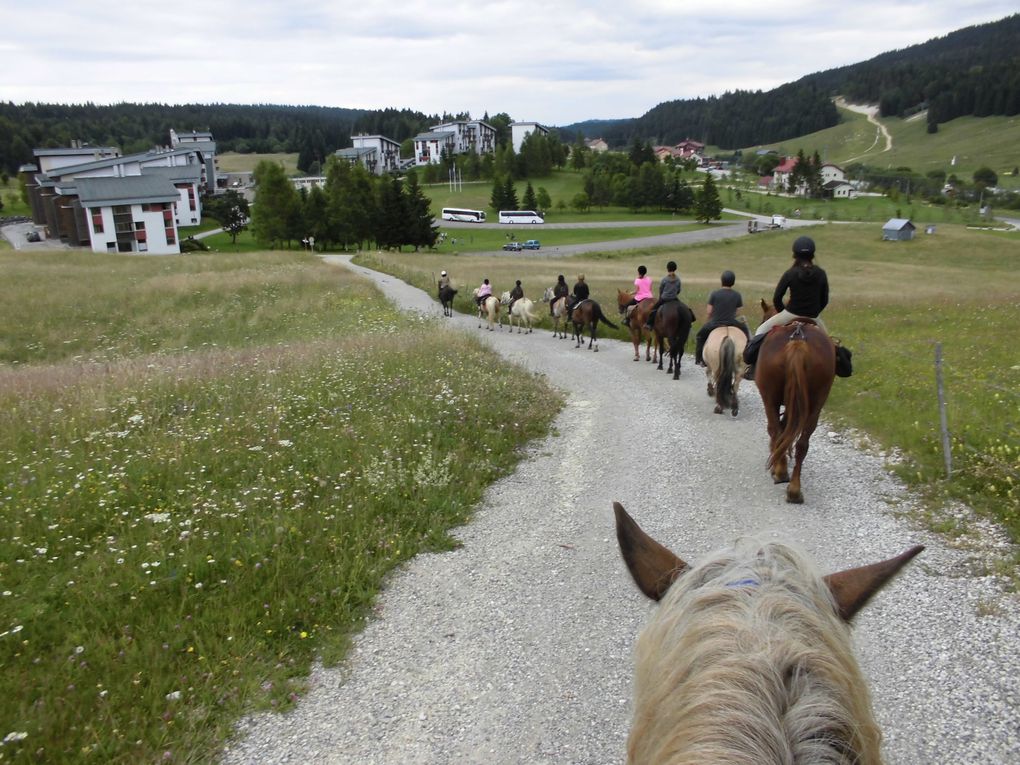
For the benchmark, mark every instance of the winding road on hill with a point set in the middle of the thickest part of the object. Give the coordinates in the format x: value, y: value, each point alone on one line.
x: 881, y: 131
x: 517, y: 647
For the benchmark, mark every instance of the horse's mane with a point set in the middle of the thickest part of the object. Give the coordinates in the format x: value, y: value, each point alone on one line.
x: 747, y: 661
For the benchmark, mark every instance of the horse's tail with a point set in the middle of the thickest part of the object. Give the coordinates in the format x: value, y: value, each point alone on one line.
x: 599, y: 316
x: 796, y: 398
x: 727, y: 369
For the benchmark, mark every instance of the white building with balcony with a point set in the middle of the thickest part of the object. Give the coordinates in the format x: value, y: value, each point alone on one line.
x: 459, y: 137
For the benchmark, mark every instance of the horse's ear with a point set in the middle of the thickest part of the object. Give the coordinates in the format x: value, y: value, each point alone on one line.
x: 854, y: 587
x: 653, y: 567
x: 764, y: 305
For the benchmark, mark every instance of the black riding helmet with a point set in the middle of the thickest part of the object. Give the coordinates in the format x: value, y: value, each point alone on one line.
x: 728, y: 278
x: 642, y: 270
x: 804, y: 247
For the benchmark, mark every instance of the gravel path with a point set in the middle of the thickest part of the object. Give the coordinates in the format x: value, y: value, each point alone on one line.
x: 516, y: 648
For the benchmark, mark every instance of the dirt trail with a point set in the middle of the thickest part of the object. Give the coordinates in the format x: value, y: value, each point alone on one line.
x: 871, y: 111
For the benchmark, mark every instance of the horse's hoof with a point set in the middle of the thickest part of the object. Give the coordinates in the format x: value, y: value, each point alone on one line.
x: 780, y: 479
x: 733, y: 411
x: 795, y: 498
x: 718, y: 409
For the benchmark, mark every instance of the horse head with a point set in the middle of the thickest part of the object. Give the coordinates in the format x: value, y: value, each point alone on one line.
x: 623, y: 299
x: 749, y: 630
x: 505, y: 297
x: 767, y: 310
x: 548, y: 294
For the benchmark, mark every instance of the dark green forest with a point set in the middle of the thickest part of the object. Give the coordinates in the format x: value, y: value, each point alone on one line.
x: 973, y: 71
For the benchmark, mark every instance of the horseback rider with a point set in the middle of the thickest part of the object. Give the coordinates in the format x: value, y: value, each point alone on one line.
x: 483, y: 292
x: 669, y: 289
x: 581, y: 292
x: 561, y: 290
x: 723, y: 305
x: 444, y: 280
x: 515, y: 294
x: 642, y: 291
x: 808, y: 286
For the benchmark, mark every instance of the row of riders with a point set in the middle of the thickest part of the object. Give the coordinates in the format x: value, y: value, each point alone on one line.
x: 724, y: 344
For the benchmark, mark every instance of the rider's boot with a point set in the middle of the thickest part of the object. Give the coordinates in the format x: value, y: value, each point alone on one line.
x: 749, y: 372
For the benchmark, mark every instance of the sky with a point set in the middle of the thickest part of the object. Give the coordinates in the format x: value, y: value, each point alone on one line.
x: 555, y: 62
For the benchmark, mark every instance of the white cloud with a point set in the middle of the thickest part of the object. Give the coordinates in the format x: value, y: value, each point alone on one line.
x: 552, y: 62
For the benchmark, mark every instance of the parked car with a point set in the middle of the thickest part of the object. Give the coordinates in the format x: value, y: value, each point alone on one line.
x: 33, y: 236
x: 513, y: 246
x: 532, y: 244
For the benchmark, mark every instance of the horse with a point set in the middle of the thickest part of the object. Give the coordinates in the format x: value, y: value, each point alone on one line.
x: 724, y: 364
x: 521, y: 310
x: 795, y: 370
x: 748, y: 657
x: 559, y: 312
x: 588, y: 313
x: 446, y: 296
x: 673, y: 324
x: 488, y: 310
x: 638, y: 317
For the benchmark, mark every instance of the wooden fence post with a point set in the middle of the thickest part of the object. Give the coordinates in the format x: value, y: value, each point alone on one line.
x: 947, y: 450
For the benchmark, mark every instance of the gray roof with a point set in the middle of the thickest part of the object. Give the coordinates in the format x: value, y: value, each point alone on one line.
x: 114, y: 161
x: 897, y: 224
x: 355, y: 152
x: 97, y: 192
x: 189, y: 173
x: 435, y: 135
x: 68, y: 151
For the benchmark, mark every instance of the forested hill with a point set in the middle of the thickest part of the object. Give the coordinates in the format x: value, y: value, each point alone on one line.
x: 313, y: 132
x: 973, y: 71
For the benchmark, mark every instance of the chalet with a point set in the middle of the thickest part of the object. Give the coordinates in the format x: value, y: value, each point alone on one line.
x: 133, y: 214
x: 662, y: 153
x: 838, y: 190
x: 521, y: 130
x: 898, y: 230
x: 781, y: 174
x: 377, y: 153
x: 596, y: 144
x: 831, y: 172
x: 459, y: 137
x: 688, y: 148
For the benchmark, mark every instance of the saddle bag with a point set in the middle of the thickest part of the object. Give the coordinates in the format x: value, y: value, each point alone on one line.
x: 844, y: 364
x: 752, y: 348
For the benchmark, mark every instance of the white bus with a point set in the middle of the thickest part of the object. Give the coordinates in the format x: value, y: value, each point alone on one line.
x: 464, y: 216
x: 520, y: 216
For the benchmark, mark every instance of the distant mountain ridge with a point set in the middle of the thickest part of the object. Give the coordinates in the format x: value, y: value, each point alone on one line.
x: 973, y: 71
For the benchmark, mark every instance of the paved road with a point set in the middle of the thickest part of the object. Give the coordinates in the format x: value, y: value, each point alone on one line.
x: 517, y: 647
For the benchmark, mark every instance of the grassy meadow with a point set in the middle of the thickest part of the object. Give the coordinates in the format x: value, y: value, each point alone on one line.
x: 232, y: 162
x: 208, y: 466
x: 891, y: 302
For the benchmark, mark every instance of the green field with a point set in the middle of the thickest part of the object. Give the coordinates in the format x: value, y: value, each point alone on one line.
x: 973, y: 141
x: 231, y: 162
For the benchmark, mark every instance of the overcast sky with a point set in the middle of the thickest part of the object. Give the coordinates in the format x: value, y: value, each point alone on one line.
x: 554, y: 62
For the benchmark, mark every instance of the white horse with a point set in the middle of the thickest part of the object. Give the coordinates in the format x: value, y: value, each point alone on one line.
x: 748, y: 657
x: 521, y: 311
x: 559, y: 313
x: 488, y: 310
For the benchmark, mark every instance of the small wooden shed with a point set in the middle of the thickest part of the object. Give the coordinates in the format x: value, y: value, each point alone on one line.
x: 898, y: 229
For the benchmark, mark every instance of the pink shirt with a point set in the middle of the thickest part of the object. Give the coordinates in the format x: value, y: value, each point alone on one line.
x: 485, y: 289
x: 643, y: 288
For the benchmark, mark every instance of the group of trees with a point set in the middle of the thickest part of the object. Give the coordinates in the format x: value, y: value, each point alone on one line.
x: 353, y: 208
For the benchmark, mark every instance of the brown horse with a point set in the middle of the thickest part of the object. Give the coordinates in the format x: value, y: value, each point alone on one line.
x: 588, y: 313
x: 795, y: 370
x: 724, y: 365
x: 638, y: 331
x: 673, y: 325
x: 446, y: 296
x: 748, y: 657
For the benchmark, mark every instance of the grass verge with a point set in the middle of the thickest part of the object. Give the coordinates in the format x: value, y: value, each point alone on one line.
x: 185, y: 526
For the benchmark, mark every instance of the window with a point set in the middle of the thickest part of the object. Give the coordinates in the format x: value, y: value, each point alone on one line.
x: 97, y: 219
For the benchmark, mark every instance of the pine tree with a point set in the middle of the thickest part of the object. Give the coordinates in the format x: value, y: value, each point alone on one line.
x: 510, y: 195
x: 530, y: 202
x: 707, y: 205
x: 421, y: 225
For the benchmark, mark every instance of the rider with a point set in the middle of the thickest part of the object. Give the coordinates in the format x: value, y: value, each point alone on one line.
x: 669, y: 289
x: 581, y: 292
x: 444, y: 280
x: 561, y: 290
x: 484, y: 291
x: 642, y: 290
x: 723, y: 305
x: 515, y: 294
x: 809, y: 294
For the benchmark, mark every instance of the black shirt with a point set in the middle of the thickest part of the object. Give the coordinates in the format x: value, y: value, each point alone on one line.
x: 581, y: 291
x: 809, y: 291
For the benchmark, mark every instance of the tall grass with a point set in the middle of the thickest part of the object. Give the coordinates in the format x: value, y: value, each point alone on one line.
x: 891, y: 302
x: 189, y: 520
